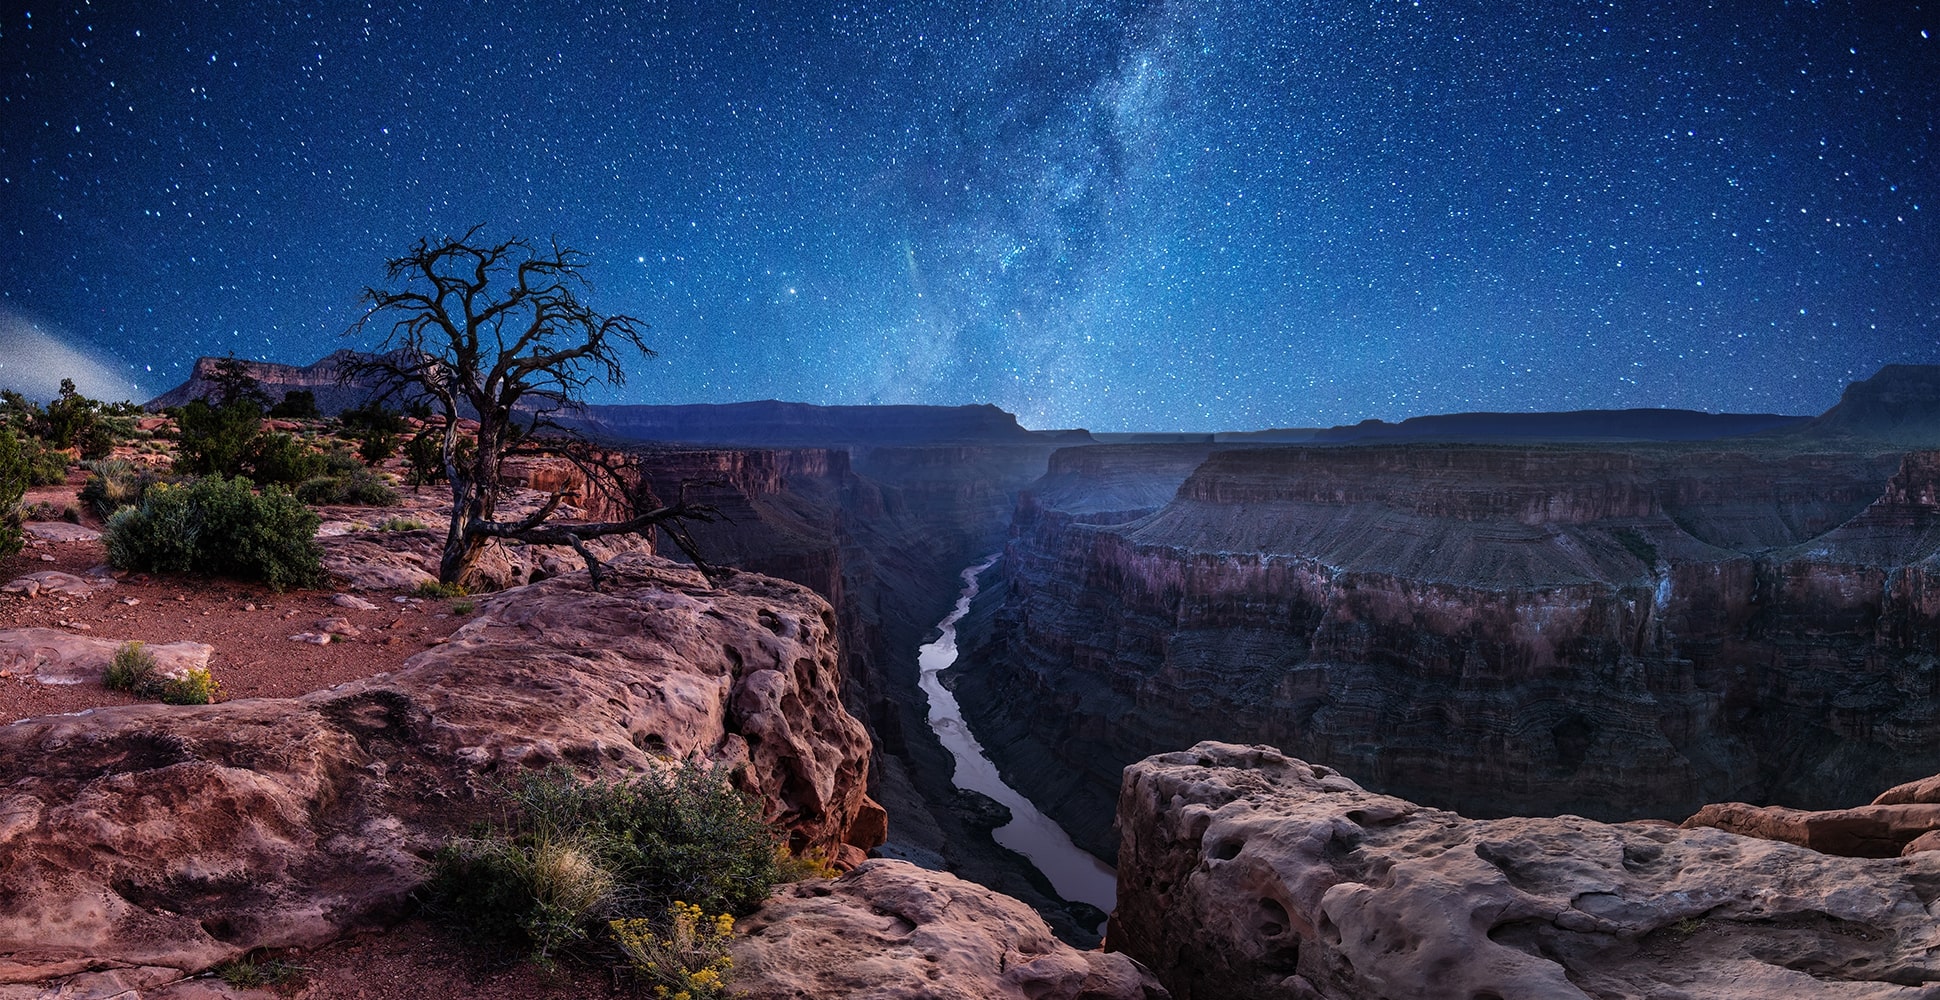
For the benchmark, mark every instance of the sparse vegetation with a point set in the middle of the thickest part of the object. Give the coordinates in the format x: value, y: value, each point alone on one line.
x: 572, y: 857
x: 245, y: 973
x: 462, y: 608
x: 401, y: 524
x: 360, y: 488
x: 683, y: 955
x: 375, y: 428
x: 130, y: 669
x: 434, y: 589
x: 113, y: 484
x: 221, y: 527
x: 14, y: 475
x: 196, y: 686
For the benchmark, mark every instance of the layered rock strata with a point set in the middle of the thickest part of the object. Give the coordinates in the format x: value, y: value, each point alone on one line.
x: 1500, y: 630
x: 169, y: 839
x: 1244, y: 873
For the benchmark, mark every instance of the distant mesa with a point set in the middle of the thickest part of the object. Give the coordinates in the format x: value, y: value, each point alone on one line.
x: 319, y: 378
x: 1899, y: 405
x: 780, y: 424
x: 1572, y: 425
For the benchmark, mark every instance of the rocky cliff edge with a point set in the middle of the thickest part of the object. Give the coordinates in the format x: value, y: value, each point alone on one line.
x: 1245, y: 873
x: 156, y: 840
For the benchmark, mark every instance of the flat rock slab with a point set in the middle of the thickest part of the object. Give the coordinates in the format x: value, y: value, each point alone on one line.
x: 51, y: 656
x: 61, y: 531
x: 54, y: 583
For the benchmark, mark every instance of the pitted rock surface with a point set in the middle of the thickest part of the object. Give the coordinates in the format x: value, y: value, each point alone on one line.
x: 173, y: 838
x: 889, y: 930
x: 1245, y: 873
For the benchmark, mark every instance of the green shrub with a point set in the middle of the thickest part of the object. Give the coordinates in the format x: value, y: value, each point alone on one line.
x: 435, y: 589
x: 14, y: 475
x: 297, y: 404
x: 375, y: 429
x: 220, y: 527
x: 361, y: 488
x: 46, y: 465
x: 215, y: 440
x: 401, y: 524
x: 115, y: 483
x: 425, y: 456
x: 282, y: 459
x: 196, y: 687
x: 130, y: 668
x: 462, y: 608
x: 573, y: 854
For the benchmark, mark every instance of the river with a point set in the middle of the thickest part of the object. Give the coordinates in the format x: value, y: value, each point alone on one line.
x: 1074, y: 873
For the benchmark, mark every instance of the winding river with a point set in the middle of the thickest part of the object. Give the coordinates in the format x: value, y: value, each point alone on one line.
x: 1074, y: 873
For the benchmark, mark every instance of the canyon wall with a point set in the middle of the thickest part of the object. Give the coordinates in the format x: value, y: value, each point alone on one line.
x: 881, y: 532
x: 1613, y: 633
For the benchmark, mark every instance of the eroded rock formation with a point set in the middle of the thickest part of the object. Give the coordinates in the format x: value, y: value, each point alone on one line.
x: 1501, y: 630
x: 169, y: 839
x: 1244, y: 873
x: 892, y: 931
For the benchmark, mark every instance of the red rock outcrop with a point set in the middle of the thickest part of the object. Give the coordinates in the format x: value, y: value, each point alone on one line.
x: 892, y: 931
x: 166, y: 838
x: 1244, y: 874
x: 1490, y: 628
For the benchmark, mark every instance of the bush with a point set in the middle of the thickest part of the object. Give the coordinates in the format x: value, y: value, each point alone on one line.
x: 282, y: 459
x: 575, y: 854
x: 297, y: 404
x: 362, y: 488
x: 375, y: 429
x: 46, y: 466
x: 401, y: 524
x: 215, y: 440
x: 435, y: 589
x: 220, y: 527
x: 130, y: 668
x: 196, y: 687
x: 14, y: 475
x: 115, y: 483
x: 684, y: 955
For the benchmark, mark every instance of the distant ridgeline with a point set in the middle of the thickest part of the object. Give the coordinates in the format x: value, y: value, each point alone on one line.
x: 1899, y: 406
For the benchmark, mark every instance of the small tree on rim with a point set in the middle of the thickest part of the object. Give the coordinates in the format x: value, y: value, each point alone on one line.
x: 497, y: 331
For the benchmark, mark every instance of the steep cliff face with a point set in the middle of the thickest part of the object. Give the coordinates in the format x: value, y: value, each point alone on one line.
x: 880, y: 531
x: 1498, y: 630
x: 1246, y: 874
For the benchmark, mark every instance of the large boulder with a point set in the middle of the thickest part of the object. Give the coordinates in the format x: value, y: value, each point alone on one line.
x: 1245, y: 873
x: 892, y: 931
x: 170, y: 839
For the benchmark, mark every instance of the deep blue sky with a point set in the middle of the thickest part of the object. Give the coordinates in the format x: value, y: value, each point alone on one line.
x: 1122, y: 215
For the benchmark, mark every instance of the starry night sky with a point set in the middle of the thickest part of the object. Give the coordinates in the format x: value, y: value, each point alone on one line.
x: 1132, y: 215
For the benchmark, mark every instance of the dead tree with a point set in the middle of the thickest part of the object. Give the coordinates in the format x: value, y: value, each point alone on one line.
x: 496, y: 332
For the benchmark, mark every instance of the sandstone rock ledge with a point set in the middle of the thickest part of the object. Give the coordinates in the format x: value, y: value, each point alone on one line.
x: 892, y: 931
x: 151, y: 840
x: 1245, y: 873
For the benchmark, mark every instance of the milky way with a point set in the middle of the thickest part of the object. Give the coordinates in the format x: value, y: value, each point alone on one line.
x: 1131, y: 215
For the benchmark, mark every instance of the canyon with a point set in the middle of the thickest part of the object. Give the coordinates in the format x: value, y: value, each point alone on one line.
x: 1612, y: 630
x: 1457, y: 622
